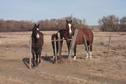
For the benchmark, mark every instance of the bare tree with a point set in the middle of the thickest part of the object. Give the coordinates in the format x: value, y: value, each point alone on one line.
x: 123, y: 24
x: 109, y: 23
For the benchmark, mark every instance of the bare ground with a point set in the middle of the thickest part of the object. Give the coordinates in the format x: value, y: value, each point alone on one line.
x: 101, y: 69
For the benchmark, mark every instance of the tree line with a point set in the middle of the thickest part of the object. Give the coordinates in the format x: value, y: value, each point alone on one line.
x: 48, y: 24
x: 107, y: 23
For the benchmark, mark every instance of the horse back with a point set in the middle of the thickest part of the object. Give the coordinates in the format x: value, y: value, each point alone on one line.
x: 85, y: 32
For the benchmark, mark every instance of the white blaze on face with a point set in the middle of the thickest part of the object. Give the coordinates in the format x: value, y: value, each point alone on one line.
x: 70, y: 31
x: 37, y: 35
x: 37, y: 28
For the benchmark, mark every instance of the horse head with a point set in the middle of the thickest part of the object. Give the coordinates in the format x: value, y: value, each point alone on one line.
x: 36, y: 31
x: 69, y: 27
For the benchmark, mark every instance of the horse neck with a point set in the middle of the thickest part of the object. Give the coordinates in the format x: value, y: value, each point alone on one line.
x: 73, y: 30
x: 34, y: 36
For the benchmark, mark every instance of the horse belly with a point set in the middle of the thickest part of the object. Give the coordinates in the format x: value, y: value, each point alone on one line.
x: 79, y: 38
x: 37, y: 49
x: 79, y: 41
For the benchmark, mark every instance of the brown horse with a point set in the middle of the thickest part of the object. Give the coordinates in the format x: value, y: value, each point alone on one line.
x: 60, y: 34
x: 37, y: 43
x: 84, y: 36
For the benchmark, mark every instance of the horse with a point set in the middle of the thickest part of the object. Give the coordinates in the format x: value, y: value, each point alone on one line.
x: 37, y: 44
x: 60, y: 34
x: 85, y: 36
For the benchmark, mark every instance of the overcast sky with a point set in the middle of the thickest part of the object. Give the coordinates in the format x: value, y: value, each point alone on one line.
x: 91, y: 10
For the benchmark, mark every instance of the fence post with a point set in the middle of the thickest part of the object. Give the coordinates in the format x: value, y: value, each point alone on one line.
x: 72, y: 43
x: 55, y: 50
x: 109, y: 45
x: 30, y: 46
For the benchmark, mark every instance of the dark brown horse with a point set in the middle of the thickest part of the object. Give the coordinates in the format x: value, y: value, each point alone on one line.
x: 37, y: 43
x: 84, y: 36
x: 61, y: 34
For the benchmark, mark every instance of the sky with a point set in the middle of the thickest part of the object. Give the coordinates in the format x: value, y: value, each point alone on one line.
x: 35, y: 10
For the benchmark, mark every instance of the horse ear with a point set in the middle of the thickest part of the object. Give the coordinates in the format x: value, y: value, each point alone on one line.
x: 70, y: 21
x: 67, y: 21
x: 34, y: 25
x: 38, y: 25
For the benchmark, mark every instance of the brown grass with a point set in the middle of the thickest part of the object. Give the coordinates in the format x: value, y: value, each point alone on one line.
x: 14, y: 54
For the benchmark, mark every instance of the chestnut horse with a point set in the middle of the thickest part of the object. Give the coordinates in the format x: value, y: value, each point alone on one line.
x: 84, y: 36
x: 37, y: 43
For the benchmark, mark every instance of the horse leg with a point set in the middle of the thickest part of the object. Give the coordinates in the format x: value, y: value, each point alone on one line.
x: 36, y: 58
x: 60, y: 50
x: 53, y: 46
x: 75, y: 52
x: 40, y: 56
x: 68, y: 46
x: 57, y: 50
x: 86, y: 44
x: 90, y: 52
x: 33, y: 59
x: 87, y: 50
x: 54, y: 38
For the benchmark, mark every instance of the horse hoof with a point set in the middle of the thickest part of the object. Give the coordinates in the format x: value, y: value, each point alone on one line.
x: 33, y: 64
x: 75, y: 57
x: 39, y: 61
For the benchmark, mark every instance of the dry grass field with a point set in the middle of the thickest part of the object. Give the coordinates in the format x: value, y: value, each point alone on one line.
x: 101, y: 69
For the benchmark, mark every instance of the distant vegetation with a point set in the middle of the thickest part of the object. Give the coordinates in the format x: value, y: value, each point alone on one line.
x: 52, y: 24
x: 112, y: 23
x: 107, y: 23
